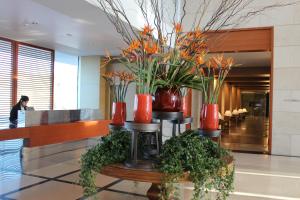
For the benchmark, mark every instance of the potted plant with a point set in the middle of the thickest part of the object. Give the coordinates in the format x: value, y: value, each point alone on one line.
x: 176, y: 72
x: 119, y: 82
x: 142, y: 59
x: 212, y: 73
x: 185, y: 106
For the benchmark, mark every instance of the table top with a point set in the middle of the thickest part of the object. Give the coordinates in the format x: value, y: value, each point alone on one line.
x: 167, y: 115
x: 210, y: 133
x: 151, y: 127
x: 143, y: 175
x: 186, y: 120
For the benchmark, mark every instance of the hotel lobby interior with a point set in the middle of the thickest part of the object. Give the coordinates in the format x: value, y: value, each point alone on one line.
x: 149, y: 99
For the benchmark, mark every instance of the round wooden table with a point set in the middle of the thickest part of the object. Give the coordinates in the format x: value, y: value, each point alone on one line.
x: 144, y: 175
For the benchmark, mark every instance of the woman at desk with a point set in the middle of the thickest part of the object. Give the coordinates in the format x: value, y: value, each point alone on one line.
x: 21, y: 105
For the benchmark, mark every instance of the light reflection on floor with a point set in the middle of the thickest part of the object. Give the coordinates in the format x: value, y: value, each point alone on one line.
x: 250, y: 135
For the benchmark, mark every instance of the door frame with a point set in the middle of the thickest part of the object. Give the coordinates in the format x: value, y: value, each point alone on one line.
x: 246, y: 40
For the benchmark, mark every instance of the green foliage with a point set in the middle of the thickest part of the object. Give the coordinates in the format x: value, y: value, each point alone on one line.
x: 145, y: 72
x: 177, y: 74
x: 202, y: 159
x: 114, y: 148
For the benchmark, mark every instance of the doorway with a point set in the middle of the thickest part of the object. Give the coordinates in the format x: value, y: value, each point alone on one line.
x: 253, y: 49
x: 244, y: 103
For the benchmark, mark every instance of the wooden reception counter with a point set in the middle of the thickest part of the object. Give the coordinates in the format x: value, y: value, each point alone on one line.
x: 56, y: 133
x: 44, y: 127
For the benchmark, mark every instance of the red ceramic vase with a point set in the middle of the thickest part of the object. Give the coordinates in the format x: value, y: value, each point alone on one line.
x: 209, y: 117
x: 143, y: 108
x: 185, y: 106
x: 118, y: 113
x: 167, y: 100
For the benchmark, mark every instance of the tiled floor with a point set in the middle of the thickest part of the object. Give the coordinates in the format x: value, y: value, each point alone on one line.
x: 258, y: 177
x: 249, y: 135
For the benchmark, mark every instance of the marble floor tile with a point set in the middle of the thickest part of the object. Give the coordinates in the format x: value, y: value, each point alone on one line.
x: 267, y: 185
x: 54, y: 170
x: 132, y: 187
x: 108, y: 195
x: 101, y: 180
x: 17, y: 182
x: 49, y: 191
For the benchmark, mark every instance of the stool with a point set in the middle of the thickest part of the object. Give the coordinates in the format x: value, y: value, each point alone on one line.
x: 184, y: 121
x: 167, y: 116
x: 211, y: 134
x: 114, y: 127
x: 136, y: 129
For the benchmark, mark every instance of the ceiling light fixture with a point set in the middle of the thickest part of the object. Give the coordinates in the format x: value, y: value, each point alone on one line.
x: 69, y: 35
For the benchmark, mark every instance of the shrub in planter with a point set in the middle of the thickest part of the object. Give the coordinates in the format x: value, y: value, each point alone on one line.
x: 199, y: 160
x: 113, y: 148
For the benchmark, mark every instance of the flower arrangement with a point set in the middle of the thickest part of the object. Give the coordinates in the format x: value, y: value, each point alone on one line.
x: 155, y: 64
x: 119, y: 82
x: 212, y: 74
x: 142, y: 59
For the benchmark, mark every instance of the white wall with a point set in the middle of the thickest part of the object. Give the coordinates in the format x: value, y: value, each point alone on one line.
x: 286, y: 87
x: 89, y: 82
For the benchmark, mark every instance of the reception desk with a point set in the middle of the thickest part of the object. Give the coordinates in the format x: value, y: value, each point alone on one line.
x: 39, y: 128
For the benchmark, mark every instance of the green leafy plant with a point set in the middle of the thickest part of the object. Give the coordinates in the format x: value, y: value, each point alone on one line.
x: 114, y: 148
x: 186, y: 156
x: 198, y: 159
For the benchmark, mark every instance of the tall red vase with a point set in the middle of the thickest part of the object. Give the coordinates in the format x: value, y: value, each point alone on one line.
x: 118, y: 113
x: 167, y: 100
x: 143, y: 108
x: 209, y: 117
x: 185, y: 106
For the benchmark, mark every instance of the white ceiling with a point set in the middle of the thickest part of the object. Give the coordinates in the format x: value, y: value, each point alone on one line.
x: 76, y: 27
x: 71, y: 26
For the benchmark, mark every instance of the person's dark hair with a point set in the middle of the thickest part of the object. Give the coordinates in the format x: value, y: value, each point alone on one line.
x: 24, y: 98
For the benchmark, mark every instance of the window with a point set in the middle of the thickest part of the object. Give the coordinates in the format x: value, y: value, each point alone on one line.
x: 25, y: 70
x: 65, y: 80
x: 6, y: 69
x: 35, y: 76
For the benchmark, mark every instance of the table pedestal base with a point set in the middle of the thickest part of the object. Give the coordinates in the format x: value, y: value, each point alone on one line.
x: 153, y: 192
x: 140, y: 164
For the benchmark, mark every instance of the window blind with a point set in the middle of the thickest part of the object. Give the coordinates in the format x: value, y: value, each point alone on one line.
x: 35, y: 73
x: 6, y: 68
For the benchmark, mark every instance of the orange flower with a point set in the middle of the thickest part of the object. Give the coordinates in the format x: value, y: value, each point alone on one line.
x: 150, y: 48
x: 200, y: 60
x: 135, y: 44
x: 185, y: 55
x: 217, y: 61
x: 229, y: 62
x: 147, y: 30
x: 178, y: 27
x: 108, y: 75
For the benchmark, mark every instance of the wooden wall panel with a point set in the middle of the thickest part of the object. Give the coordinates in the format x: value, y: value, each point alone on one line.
x: 240, y: 40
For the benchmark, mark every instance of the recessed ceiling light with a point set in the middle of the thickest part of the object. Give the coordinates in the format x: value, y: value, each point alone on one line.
x: 69, y: 34
x: 32, y: 23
